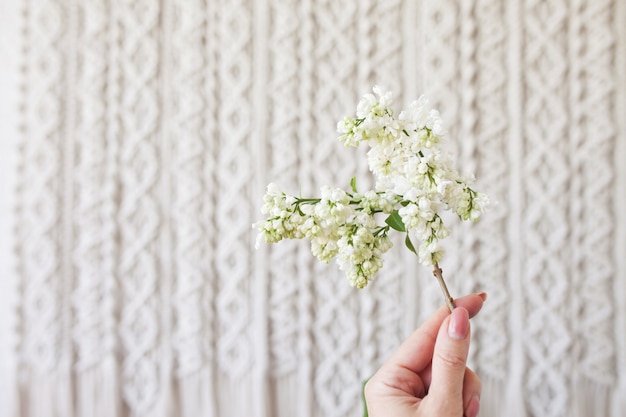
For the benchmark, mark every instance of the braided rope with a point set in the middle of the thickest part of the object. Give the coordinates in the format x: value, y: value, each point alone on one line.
x: 90, y: 176
x: 283, y: 128
x: 597, y: 218
x: 139, y: 217
x: 368, y: 304
x: 441, y: 23
x: 491, y: 129
x: 336, y: 381
x: 233, y: 175
x: 384, y: 330
x: 548, y: 338
x: 38, y: 204
x: 189, y: 151
x: 306, y: 272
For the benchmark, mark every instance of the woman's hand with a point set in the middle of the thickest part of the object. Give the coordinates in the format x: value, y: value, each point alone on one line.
x: 427, y: 376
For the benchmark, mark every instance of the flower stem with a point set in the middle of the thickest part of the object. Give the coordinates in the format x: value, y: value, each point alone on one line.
x: 438, y: 273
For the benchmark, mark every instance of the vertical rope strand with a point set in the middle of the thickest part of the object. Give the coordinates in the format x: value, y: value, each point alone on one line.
x: 493, y: 173
x: 368, y: 303
x: 234, y: 175
x: 164, y: 189
x: 15, y: 321
x: 41, y: 220
x: 282, y: 116
x: 210, y: 89
x: 619, y: 207
x: 596, y: 355
x: 467, y: 145
x: 517, y: 362
x: 546, y: 175
x: 72, y: 34
x: 412, y: 82
x: 139, y: 215
x: 442, y: 66
x: 188, y: 71
x: 385, y: 64
x: 305, y: 271
x: 89, y: 176
x: 111, y: 393
x: 260, y: 375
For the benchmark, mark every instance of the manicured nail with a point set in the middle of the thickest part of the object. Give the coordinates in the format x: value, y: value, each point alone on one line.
x: 472, y: 407
x: 483, y: 295
x: 459, y: 324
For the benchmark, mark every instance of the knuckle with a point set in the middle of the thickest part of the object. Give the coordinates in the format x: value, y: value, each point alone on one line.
x: 452, y: 359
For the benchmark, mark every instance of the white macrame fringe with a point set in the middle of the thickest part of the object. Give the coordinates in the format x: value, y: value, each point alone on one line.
x: 590, y: 399
x: 14, y: 406
x: 234, y: 396
x: 492, y: 399
x: 261, y: 393
x: 618, y: 402
x: 513, y: 400
x: 46, y: 395
x: 97, y: 395
x: 97, y: 390
x: 197, y: 395
x: 190, y: 389
x: 93, y: 392
x: 190, y: 395
x: 284, y: 391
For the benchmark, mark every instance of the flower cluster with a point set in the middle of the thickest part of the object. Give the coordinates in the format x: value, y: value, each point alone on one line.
x: 415, y: 183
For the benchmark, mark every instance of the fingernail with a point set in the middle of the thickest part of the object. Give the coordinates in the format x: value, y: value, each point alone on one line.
x: 483, y: 295
x: 472, y: 407
x: 459, y: 324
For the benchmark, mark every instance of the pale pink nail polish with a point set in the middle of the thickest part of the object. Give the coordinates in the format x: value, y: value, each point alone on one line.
x: 472, y: 407
x: 459, y: 324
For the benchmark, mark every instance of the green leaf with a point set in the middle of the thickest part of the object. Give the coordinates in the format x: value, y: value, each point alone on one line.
x: 353, y: 184
x: 395, y: 221
x: 409, y: 244
x: 365, y: 413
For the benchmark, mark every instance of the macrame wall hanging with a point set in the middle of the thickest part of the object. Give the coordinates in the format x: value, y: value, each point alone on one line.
x: 149, y: 129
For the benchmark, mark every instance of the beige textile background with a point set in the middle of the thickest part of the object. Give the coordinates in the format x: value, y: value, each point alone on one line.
x: 139, y: 136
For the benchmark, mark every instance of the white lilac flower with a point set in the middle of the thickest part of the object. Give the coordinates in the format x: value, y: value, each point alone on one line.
x: 430, y: 252
x: 324, y: 248
x: 414, y: 183
x: 375, y: 105
x: 334, y: 206
x: 351, y: 134
x: 372, y: 202
x: 361, y: 247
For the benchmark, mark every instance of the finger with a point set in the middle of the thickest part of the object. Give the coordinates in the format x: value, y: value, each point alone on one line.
x: 417, y: 351
x: 471, y: 393
x: 449, y: 358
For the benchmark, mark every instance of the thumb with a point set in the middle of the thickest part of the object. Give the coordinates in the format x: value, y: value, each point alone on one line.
x: 449, y: 359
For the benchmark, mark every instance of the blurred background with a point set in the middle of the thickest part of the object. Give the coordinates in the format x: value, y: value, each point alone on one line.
x: 137, y: 140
